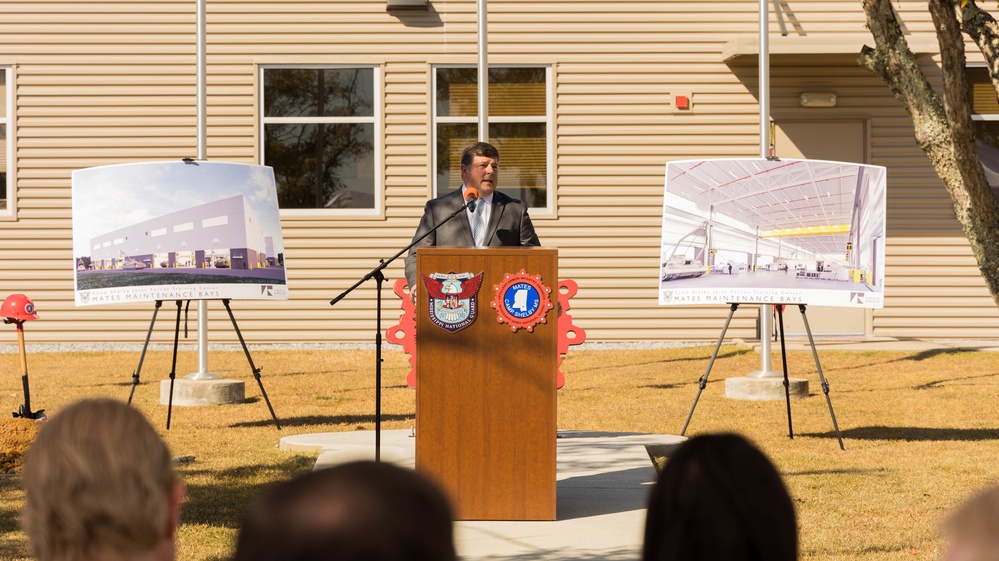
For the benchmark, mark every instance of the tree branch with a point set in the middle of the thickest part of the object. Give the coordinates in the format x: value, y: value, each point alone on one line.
x: 984, y: 31
x: 943, y: 129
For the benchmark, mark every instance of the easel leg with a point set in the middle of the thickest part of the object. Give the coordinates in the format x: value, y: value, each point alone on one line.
x: 254, y: 369
x: 26, y: 409
x: 783, y: 357
x: 142, y: 357
x: 173, y: 366
x: 704, y: 379
x: 822, y: 378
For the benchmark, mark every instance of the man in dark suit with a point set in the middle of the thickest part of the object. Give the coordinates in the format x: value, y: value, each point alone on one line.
x: 500, y: 220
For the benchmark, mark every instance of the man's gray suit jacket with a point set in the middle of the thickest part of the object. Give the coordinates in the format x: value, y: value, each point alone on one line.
x: 509, y: 225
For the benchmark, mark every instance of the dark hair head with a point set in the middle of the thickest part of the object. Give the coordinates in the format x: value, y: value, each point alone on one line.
x: 360, y: 511
x: 478, y: 149
x: 720, y: 498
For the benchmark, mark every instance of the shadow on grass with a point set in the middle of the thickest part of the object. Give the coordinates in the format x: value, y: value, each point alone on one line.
x: 935, y: 384
x: 12, y: 541
x: 914, y: 357
x: 325, y: 420
x: 939, y: 383
x: 911, y: 434
x: 222, y: 501
x: 730, y: 354
x: 661, y: 386
x: 851, y: 471
x: 692, y: 382
x: 310, y: 373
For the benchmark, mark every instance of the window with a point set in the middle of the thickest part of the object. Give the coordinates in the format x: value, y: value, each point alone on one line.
x: 319, y: 127
x: 6, y: 147
x: 985, y: 114
x: 519, y: 108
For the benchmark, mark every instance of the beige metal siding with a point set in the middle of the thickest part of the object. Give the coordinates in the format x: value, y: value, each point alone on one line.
x: 97, y: 83
x: 112, y: 82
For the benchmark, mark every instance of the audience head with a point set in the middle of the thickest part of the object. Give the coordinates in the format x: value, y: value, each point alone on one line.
x: 360, y: 511
x: 100, y: 484
x: 720, y: 499
x: 972, y: 531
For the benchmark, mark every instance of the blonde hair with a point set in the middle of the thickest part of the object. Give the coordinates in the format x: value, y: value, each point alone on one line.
x: 98, y: 482
x: 974, y: 527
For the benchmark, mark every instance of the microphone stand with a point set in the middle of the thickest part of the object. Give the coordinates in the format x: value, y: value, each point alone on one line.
x: 377, y: 274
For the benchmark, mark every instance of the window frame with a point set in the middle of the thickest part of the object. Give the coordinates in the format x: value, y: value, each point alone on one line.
x: 980, y: 116
x: 7, y: 119
x: 548, y: 211
x: 376, y: 119
x: 983, y: 117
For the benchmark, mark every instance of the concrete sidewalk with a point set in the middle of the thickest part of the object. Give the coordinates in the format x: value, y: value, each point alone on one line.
x: 603, y: 482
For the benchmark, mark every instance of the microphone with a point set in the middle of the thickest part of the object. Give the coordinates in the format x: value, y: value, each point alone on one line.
x: 471, y: 195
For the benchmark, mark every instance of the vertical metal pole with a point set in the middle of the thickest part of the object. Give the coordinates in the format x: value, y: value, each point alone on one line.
x: 764, y: 64
x: 765, y: 321
x: 202, y: 120
x: 483, y: 72
x: 202, y: 155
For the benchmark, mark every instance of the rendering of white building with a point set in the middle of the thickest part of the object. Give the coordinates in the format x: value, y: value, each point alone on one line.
x: 225, y: 234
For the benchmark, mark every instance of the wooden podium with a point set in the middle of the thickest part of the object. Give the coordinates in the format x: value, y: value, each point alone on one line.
x: 485, y: 394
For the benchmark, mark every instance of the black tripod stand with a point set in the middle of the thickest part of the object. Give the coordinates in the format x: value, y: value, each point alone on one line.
x: 703, y: 381
x: 377, y: 274
x: 173, y: 365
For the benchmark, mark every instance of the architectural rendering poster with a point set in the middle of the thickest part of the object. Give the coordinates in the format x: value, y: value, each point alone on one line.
x: 773, y: 232
x: 176, y: 231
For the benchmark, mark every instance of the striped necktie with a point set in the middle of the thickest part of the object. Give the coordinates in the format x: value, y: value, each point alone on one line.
x: 478, y: 224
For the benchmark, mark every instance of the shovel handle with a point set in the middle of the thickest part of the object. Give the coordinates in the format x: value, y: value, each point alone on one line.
x: 20, y: 346
x: 26, y: 412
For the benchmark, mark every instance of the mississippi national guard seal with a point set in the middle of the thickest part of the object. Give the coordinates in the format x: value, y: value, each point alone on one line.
x: 521, y: 301
x: 453, y: 300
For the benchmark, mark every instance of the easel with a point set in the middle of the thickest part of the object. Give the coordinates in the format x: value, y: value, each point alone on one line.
x: 173, y: 366
x: 783, y: 352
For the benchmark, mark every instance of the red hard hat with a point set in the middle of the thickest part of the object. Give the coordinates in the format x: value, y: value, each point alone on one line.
x: 18, y: 307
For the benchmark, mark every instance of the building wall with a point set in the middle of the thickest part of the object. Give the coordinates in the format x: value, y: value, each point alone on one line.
x: 110, y: 82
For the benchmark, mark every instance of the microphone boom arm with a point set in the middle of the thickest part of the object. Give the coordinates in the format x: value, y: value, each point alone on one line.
x: 382, y: 263
x: 376, y: 274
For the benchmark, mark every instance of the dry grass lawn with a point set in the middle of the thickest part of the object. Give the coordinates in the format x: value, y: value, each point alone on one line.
x: 920, y: 429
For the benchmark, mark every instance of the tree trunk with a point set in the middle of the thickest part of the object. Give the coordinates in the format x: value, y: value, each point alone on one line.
x: 943, y: 128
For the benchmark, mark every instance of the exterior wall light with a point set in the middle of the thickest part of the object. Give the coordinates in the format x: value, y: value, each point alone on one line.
x: 817, y: 99
x: 407, y: 5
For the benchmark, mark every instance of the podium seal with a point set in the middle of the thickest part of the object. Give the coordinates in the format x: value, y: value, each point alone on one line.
x: 521, y: 301
x: 452, y: 301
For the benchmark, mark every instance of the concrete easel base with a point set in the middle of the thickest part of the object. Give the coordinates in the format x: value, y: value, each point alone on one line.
x: 751, y: 388
x: 192, y: 393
